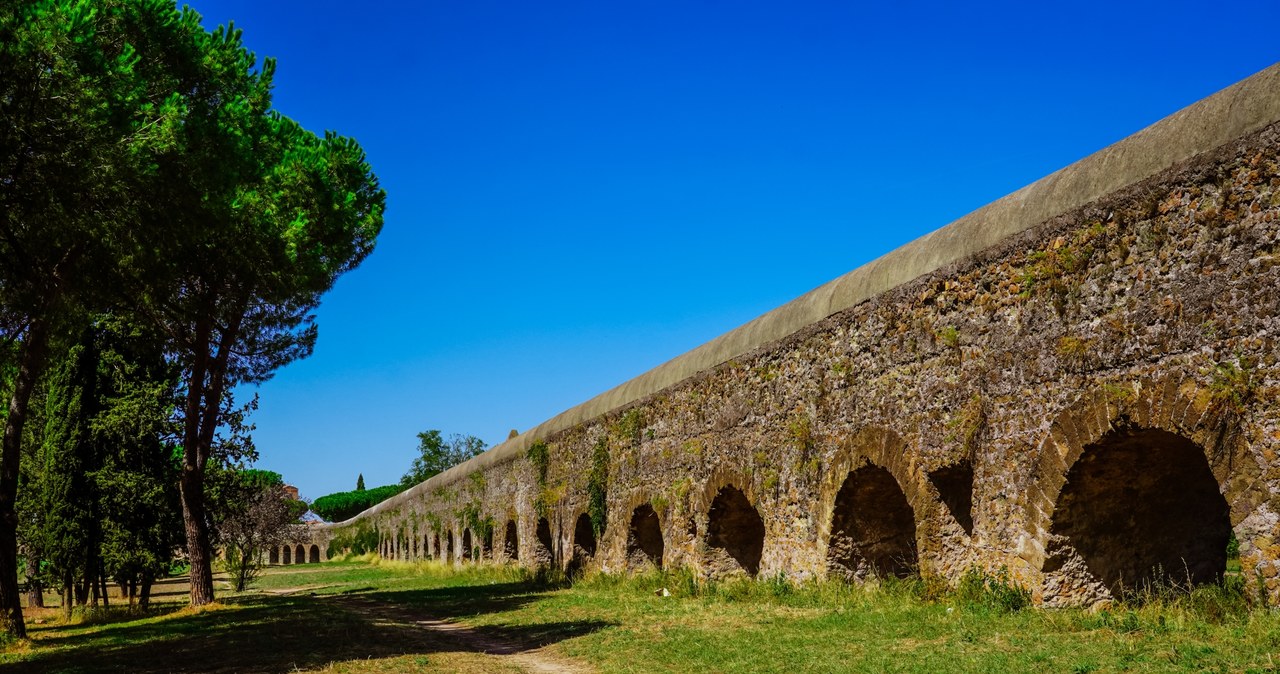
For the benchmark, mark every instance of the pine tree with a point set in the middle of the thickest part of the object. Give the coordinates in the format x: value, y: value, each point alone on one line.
x: 360, y: 482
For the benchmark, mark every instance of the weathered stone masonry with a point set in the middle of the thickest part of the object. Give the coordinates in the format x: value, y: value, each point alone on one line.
x: 1084, y: 392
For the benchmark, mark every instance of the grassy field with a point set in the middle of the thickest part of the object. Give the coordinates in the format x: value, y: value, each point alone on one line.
x: 363, y: 617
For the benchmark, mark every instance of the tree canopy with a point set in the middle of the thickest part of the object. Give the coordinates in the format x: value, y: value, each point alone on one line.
x: 144, y: 173
x: 347, y: 504
x: 436, y: 455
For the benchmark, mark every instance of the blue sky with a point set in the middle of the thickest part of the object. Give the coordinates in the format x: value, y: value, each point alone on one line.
x: 580, y: 191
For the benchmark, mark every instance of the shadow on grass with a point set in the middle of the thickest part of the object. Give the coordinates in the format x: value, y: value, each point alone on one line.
x: 284, y: 634
x: 449, y: 603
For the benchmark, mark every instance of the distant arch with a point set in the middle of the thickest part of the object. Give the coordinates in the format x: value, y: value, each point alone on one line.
x: 468, y: 554
x: 448, y: 548
x: 511, y: 542
x: 286, y: 556
x: 584, y: 543
x: 300, y: 555
x: 735, y: 534
x: 274, y: 555
x: 644, y: 538
x: 543, y: 548
x: 314, y: 557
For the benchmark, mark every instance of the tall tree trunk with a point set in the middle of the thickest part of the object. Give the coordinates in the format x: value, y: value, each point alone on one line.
x: 193, y: 521
x: 144, y: 597
x: 35, y: 589
x: 35, y: 593
x: 191, y: 484
x: 34, y: 355
x: 205, y: 386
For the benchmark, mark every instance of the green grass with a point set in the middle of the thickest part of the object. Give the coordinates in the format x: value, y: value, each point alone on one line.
x: 620, y: 624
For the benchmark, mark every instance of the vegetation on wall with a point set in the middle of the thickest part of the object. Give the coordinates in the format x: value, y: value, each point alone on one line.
x: 598, y: 486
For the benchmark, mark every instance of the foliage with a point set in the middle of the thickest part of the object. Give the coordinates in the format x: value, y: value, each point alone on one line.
x: 344, y: 505
x: 436, y: 455
x: 265, y: 519
x: 362, y: 538
x: 481, y: 526
x: 629, y: 426
x: 1232, y: 385
x: 992, y: 591
x: 98, y: 500
x: 540, y: 456
x: 598, y: 486
x: 144, y: 171
x: 360, y: 482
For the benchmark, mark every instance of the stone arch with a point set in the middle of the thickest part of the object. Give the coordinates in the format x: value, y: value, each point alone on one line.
x: 1130, y: 481
x: 286, y: 555
x: 955, y: 486
x: 894, y: 474
x: 644, y: 538
x: 873, y: 527
x: 543, y: 547
x: 436, y: 550
x: 448, y: 547
x: 583, y: 546
x: 486, y: 542
x: 468, y: 553
x: 426, y: 546
x: 314, y: 556
x: 299, y: 555
x: 511, y: 541
x: 1140, y: 507
x: 734, y: 536
x: 274, y: 555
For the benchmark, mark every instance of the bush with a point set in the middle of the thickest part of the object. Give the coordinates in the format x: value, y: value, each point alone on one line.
x: 980, y: 589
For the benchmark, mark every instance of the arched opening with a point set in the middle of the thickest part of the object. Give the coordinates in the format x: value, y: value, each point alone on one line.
x: 486, y: 544
x: 448, y: 547
x: 543, y: 550
x: 467, y: 552
x: 274, y: 556
x: 314, y: 557
x: 511, y: 542
x: 584, y: 543
x: 426, y: 547
x: 644, y: 538
x: 1141, y: 507
x: 955, y: 486
x: 436, y: 551
x: 300, y: 555
x: 735, y: 534
x: 873, y: 528
x: 286, y: 556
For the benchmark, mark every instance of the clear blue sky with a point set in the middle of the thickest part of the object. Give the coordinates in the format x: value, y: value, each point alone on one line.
x: 580, y: 191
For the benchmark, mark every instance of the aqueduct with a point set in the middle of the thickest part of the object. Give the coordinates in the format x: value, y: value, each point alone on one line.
x: 1077, y: 382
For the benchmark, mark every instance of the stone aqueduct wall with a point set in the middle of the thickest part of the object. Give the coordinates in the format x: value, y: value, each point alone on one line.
x: 1078, y: 382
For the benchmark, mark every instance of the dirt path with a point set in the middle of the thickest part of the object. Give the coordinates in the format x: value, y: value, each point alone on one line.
x: 532, y: 660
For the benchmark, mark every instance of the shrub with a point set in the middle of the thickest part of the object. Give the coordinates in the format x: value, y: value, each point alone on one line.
x: 994, y: 591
